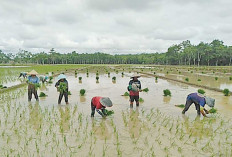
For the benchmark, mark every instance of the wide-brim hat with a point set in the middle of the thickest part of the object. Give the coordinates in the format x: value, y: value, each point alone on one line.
x: 61, y: 76
x: 135, y: 75
x: 33, y: 72
x: 209, y: 101
x: 105, y: 101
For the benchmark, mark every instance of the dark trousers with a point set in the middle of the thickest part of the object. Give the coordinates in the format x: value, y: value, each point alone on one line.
x: 65, y: 94
x: 32, y: 90
x: 188, y: 103
x: 92, y: 109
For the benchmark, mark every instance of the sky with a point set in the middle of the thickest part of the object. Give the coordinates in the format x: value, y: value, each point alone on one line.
x: 111, y: 26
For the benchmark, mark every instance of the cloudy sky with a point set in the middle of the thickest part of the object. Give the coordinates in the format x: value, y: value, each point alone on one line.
x: 111, y: 26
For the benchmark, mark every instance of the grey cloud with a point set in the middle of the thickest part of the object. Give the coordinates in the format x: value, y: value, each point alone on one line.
x: 123, y: 26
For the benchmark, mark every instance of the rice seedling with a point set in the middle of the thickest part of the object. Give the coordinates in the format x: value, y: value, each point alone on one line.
x: 97, y: 78
x: 181, y: 105
x: 114, y: 78
x: 212, y: 110
x: 50, y: 78
x: 80, y: 78
x: 226, y: 92
x: 216, y: 78
x: 201, y: 91
x: 69, y: 93
x: 42, y: 94
x: 126, y: 94
x: 230, y: 78
x: 156, y: 78
x: 82, y: 92
x: 141, y: 100
x: 109, y: 112
x: 108, y: 74
x: 145, y: 90
x: 154, y: 73
x: 167, y: 92
x: 187, y: 79
x: 198, y: 80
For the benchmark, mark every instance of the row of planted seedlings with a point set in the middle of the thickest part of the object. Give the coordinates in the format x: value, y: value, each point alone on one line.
x: 38, y: 131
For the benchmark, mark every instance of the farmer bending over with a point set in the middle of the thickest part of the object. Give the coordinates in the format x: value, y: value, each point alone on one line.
x: 62, y: 86
x: 199, y: 100
x: 100, y: 103
x: 24, y: 74
x: 32, y: 81
x: 134, y: 88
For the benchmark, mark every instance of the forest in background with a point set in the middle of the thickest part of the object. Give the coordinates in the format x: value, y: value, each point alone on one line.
x: 185, y: 53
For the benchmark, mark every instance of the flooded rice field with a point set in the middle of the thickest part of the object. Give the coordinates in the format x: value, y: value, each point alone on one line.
x: 156, y: 128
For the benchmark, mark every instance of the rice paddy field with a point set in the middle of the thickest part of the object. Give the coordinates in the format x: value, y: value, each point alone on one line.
x: 155, y: 128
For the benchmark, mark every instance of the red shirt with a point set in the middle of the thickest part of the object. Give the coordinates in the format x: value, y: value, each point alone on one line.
x: 96, y: 102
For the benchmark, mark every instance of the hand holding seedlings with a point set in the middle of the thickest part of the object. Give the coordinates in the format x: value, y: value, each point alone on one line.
x: 100, y: 103
x: 62, y: 85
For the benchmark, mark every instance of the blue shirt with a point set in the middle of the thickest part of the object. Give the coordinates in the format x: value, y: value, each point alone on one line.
x: 33, y: 79
x: 197, y: 99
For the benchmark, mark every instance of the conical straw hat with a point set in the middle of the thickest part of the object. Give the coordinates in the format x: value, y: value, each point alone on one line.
x: 105, y: 101
x: 33, y: 72
x: 135, y: 75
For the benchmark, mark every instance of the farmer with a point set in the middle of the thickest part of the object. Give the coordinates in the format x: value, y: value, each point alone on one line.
x: 32, y: 81
x: 199, y: 100
x: 134, y: 88
x: 100, y: 103
x: 43, y: 78
x: 62, y: 86
x: 24, y: 74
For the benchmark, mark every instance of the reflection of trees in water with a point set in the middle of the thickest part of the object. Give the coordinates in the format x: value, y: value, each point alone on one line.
x: 101, y: 130
x: 134, y: 123
x: 35, y: 116
x: 64, y: 119
x: 198, y: 128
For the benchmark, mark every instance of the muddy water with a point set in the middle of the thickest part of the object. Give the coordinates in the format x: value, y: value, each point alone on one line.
x: 143, y: 131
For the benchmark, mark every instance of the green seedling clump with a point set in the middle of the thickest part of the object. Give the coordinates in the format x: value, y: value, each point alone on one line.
x: 187, y: 79
x: 201, y: 91
x: 212, y: 110
x: 50, y: 82
x: 80, y: 78
x: 50, y: 78
x: 114, y: 78
x: 226, y: 92
x: 62, y: 87
x: 167, y: 92
x: 37, y: 85
x: 230, y: 78
x: 126, y: 94
x: 141, y: 100
x: 97, y: 78
x: 156, y: 78
x: 181, y: 105
x: 69, y: 93
x: 145, y: 90
x: 216, y: 78
x: 42, y: 94
x: 109, y: 112
x: 82, y: 92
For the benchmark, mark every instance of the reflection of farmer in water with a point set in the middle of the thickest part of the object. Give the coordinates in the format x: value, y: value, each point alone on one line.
x: 100, y: 103
x: 134, y: 88
x: 198, y: 127
x: 101, y: 130
x: 199, y: 100
x: 35, y: 116
x: 64, y: 119
x: 134, y: 123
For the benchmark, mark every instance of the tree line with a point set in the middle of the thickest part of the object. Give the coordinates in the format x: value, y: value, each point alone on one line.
x: 185, y: 53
